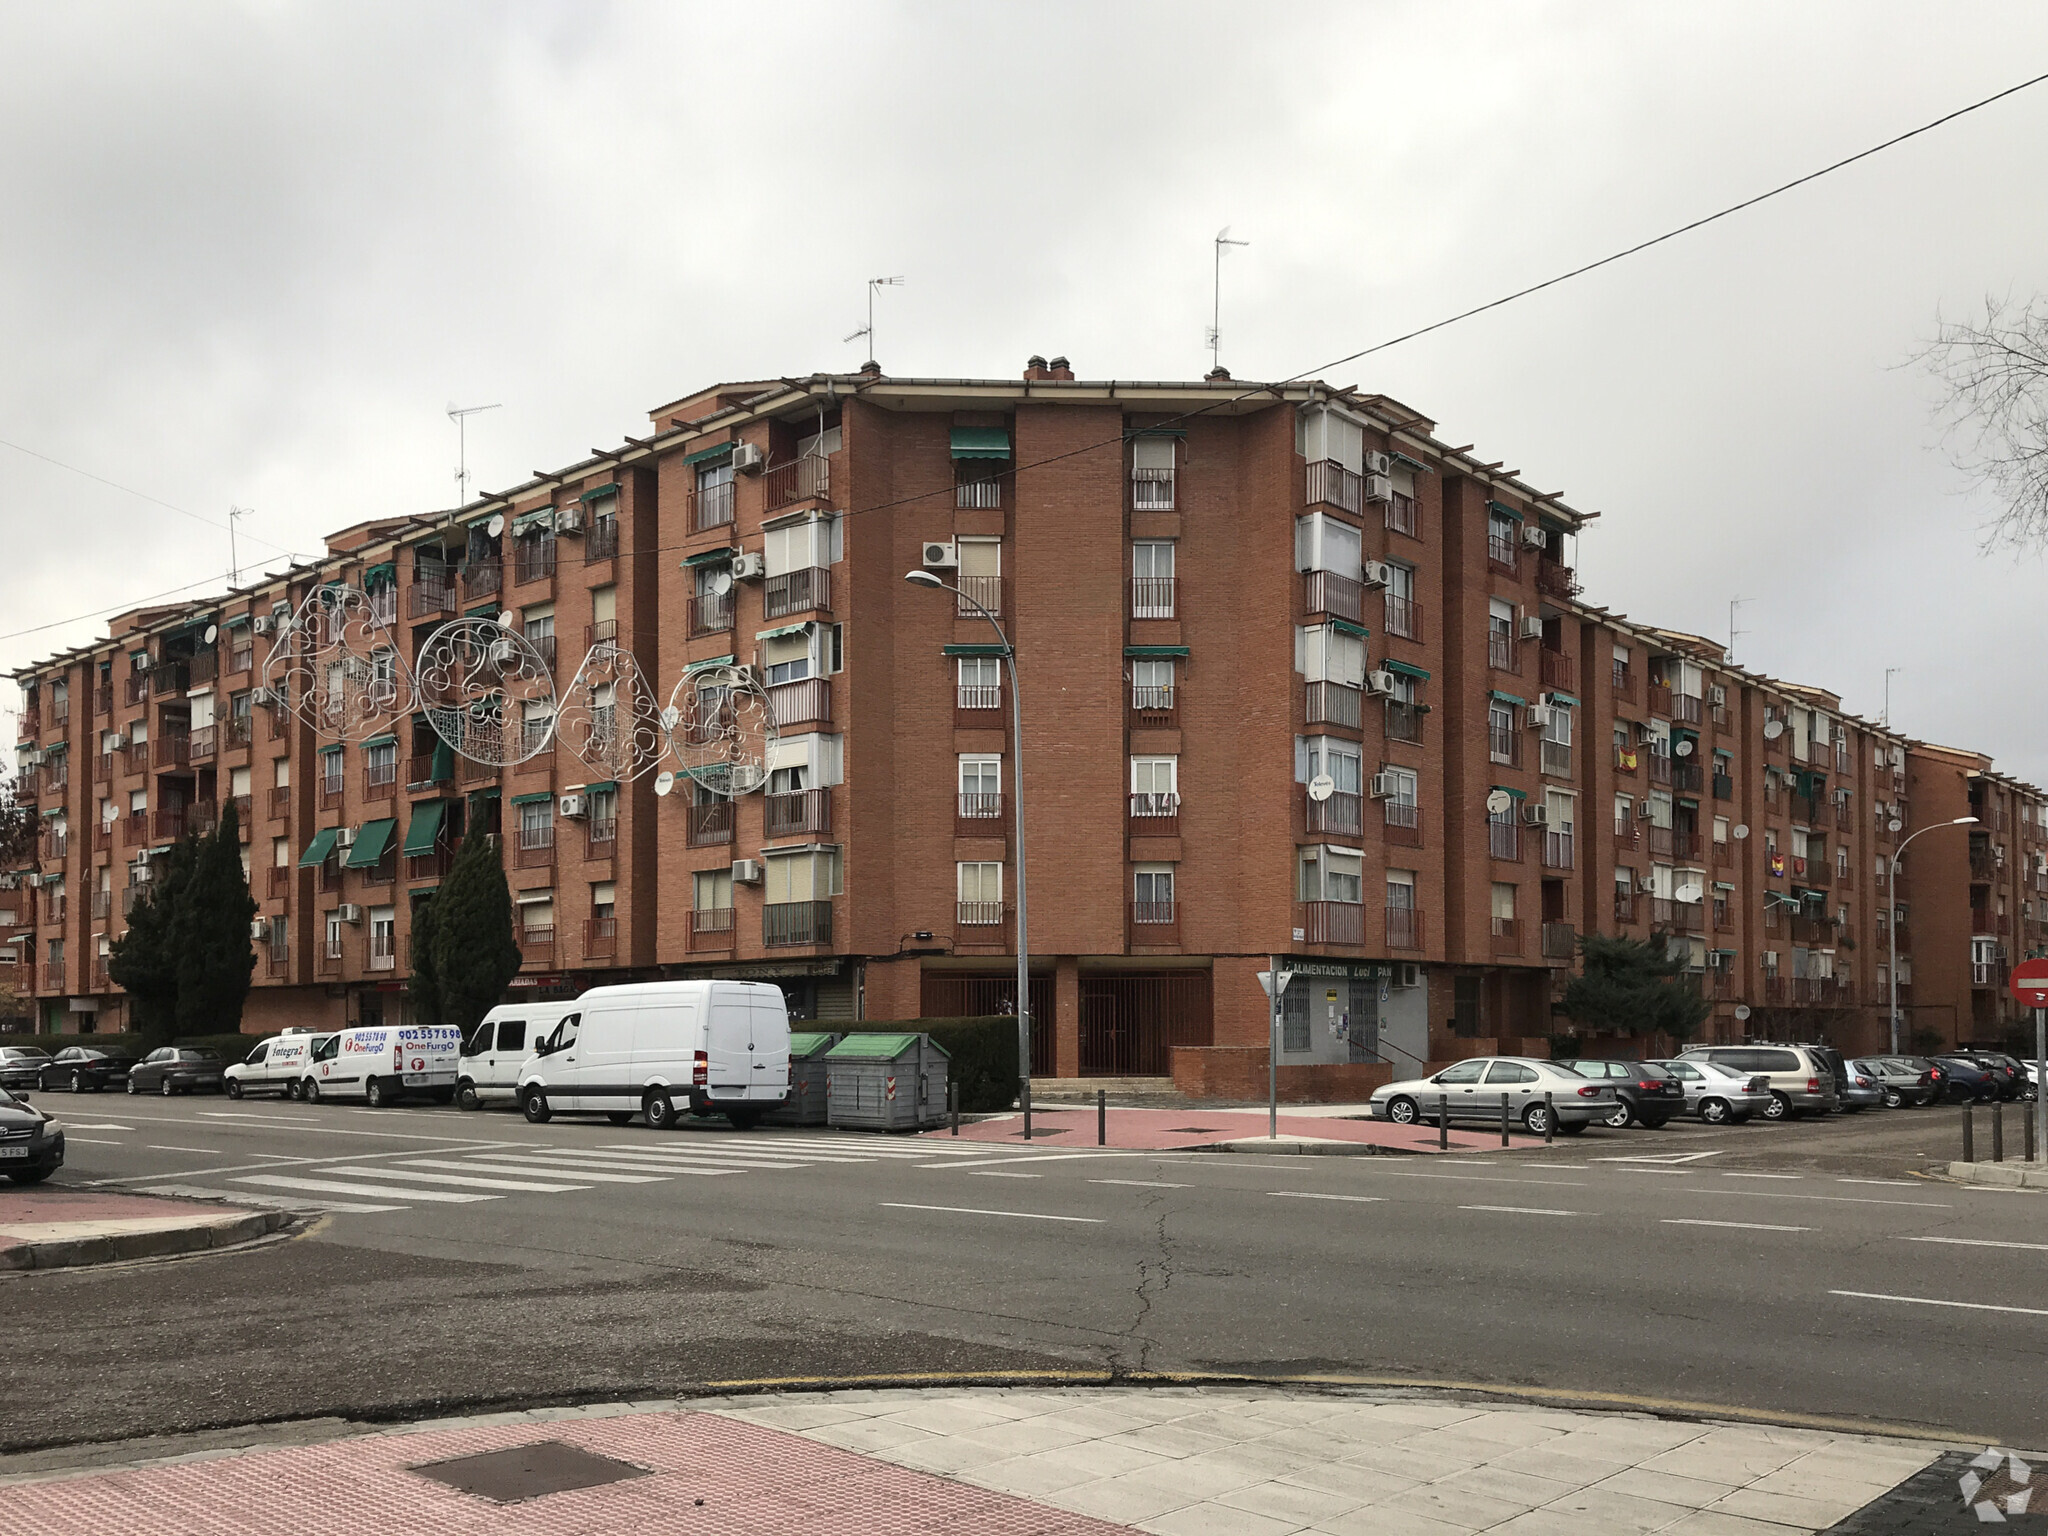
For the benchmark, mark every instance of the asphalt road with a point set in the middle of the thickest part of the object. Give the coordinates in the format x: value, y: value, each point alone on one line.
x: 472, y: 1260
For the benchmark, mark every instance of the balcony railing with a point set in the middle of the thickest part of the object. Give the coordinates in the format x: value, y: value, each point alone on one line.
x: 978, y: 696
x: 1504, y: 840
x: 711, y: 506
x: 135, y: 688
x: 1500, y: 652
x: 1560, y: 850
x: 55, y: 843
x: 237, y: 731
x: 1560, y: 941
x: 1659, y: 697
x: 1554, y: 579
x: 600, y: 938
x: 978, y: 495
x: 601, y: 838
x: 1151, y: 490
x: 1625, y: 909
x: 803, y: 479
x: 537, y: 944
x: 1155, y: 914
x: 1404, y: 617
x: 169, y: 823
x: 978, y: 914
x: 710, y: 614
x: 1677, y: 916
x: 171, y: 677
x: 1507, y: 936
x: 53, y: 975
x: 711, y: 928
x: 1330, y: 484
x: 796, y: 922
x: 380, y: 779
x: 985, y: 590
x: 1404, y: 721
x: 536, y: 846
x: 432, y: 594
x: 383, y: 950
x: 103, y: 836
x: 1342, y: 813
x: 1556, y: 668
x: 103, y: 699
x: 800, y: 703
x: 1333, y: 922
x: 482, y: 578
x: 1659, y: 767
x: 602, y: 541
x: 431, y: 865
x: 534, y: 560
x: 803, y: 810
x: 799, y: 591
x: 1622, y: 681
x: 1724, y: 787
x: 172, y: 749
x: 1327, y: 592
x: 979, y: 815
x: 1153, y: 704
x: 1557, y: 759
x: 1503, y: 556
x: 1403, y: 823
x: 1685, y: 707
x: 1401, y: 515
x: 280, y: 959
x: 1152, y: 597
x: 1404, y: 928
x: 710, y: 823
x: 135, y: 828
x: 1158, y: 810
x: 1334, y: 704
x: 1504, y: 745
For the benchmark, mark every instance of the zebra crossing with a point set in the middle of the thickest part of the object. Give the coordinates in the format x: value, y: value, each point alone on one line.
x: 449, y: 1176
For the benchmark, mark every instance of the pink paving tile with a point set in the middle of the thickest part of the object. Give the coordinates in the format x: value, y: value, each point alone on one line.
x: 41, y: 1205
x: 753, y: 1482
x: 1160, y: 1130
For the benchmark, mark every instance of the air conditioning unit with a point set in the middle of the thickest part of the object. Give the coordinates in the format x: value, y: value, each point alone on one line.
x: 500, y: 652
x: 1380, y: 684
x: 942, y: 557
x: 1644, y: 810
x: 139, y: 875
x: 1407, y: 974
x: 1382, y: 786
x: 1377, y: 463
x: 349, y: 912
x: 1534, y: 815
x: 280, y: 609
x: 1537, y: 717
x: 116, y: 741
x: 32, y: 759
x: 746, y: 871
x: 1378, y: 488
x: 1532, y: 628
x: 749, y: 567
x: 263, y: 624
x: 573, y: 806
x: 569, y: 520
x: 747, y: 458
x: 263, y: 696
x: 1716, y: 695
x: 259, y: 929
x: 344, y: 837
x: 142, y: 662
x: 1534, y: 536
x: 1644, y: 733
x: 32, y: 881
x: 1377, y: 575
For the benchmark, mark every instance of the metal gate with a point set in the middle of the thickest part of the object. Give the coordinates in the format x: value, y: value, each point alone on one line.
x: 1130, y: 1023
x: 972, y: 995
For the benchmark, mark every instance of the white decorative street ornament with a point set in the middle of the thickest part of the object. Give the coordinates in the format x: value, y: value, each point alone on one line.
x: 610, y: 718
x: 721, y: 726
x: 336, y: 667
x: 487, y: 692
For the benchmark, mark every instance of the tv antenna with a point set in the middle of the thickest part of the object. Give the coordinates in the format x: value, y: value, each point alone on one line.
x: 234, y: 558
x: 1215, y: 338
x: 868, y: 330
x: 1888, y: 671
x: 460, y: 414
x: 1733, y: 604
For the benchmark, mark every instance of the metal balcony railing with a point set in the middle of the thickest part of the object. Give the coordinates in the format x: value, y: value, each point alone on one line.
x: 482, y: 578
x: 534, y: 559
x: 1560, y: 849
x: 1403, y: 617
x: 710, y: 823
x: 1503, y: 556
x: 537, y: 944
x: 796, y: 922
x: 1659, y: 764
x: 1659, y: 698
x: 432, y: 594
x: 430, y: 865
x: 710, y: 614
x: 103, y: 699
x: 978, y: 495
x: 1151, y: 490
x: 1557, y: 759
x: 802, y: 702
x: 798, y: 591
x: 1556, y: 669
x: 1625, y: 910
x: 1685, y: 708
x: 1330, y: 484
x: 1554, y: 579
x: 1154, y: 704
x: 1504, y: 840
x: 1622, y: 682
x: 1404, y: 721
x: 978, y: 696
x: 602, y: 541
x: 1333, y: 922
x: 536, y: 846
x: 1338, y: 596
x: 1500, y: 652
x: 1504, y: 745
x: 1401, y: 515
x: 1158, y: 914
x: 803, y: 810
x: 711, y: 928
x: 601, y: 838
x: 711, y: 506
x: 383, y: 951
x: 1333, y: 704
x: 1402, y: 823
x: 1343, y: 813
x: 600, y: 938
x: 1507, y: 936
x: 1152, y: 597
x: 171, y: 749
x: 1560, y: 941
x: 978, y: 811
x: 978, y: 914
x: 1404, y: 928
x: 986, y: 590
x: 808, y: 478
x: 1155, y: 806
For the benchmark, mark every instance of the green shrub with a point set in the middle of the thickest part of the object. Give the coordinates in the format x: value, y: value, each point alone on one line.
x: 981, y: 1053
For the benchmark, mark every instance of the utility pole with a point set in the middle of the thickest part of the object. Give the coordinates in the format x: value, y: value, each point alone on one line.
x: 460, y: 416
x: 1216, y: 298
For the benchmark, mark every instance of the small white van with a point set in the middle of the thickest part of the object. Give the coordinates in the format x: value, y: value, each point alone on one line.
x: 383, y: 1063
x: 274, y: 1066
x: 662, y: 1047
x: 497, y: 1047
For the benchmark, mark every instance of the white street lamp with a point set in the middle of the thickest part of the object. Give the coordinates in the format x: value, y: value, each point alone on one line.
x: 1892, y: 927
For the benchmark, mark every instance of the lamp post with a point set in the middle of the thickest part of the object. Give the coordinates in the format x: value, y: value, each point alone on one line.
x: 1009, y: 654
x: 1892, y: 927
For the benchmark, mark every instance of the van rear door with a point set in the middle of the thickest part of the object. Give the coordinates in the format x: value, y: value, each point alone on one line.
x: 768, y: 1048
x: 730, y: 1040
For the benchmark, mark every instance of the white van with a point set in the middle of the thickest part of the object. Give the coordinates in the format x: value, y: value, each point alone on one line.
x: 711, y: 1047
x: 383, y: 1063
x: 497, y: 1047
x: 275, y: 1066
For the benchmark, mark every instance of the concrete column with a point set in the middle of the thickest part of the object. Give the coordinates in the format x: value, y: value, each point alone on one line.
x: 1067, y: 1013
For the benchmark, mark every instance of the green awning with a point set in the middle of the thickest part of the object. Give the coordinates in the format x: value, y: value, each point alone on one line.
x: 376, y: 576
x: 1685, y: 733
x: 981, y: 443
x: 1131, y: 432
x: 337, y: 747
x: 317, y: 851
x: 444, y: 762
x: 1405, y: 669
x: 706, y: 455
x: 386, y: 740
x: 1414, y: 464
x: 371, y: 841
x: 1345, y: 626
x: 1153, y: 650
x: 1687, y: 800
x: 539, y: 517
x: 535, y: 798
x: 424, y: 827
x: 55, y: 810
x: 777, y: 634
x: 490, y: 793
x: 606, y: 787
x: 611, y: 489
x: 708, y: 661
x: 484, y: 611
x: 236, y: 621
x: 1563, y: 698
x: 711, y: 556
x: 1723, y: 885
x: 973, y: 650
x: 1509, y: 698
x: 1724, y: 752
x: 1503, y: 510
x: 1809, y: 783
x: 1509, y: 789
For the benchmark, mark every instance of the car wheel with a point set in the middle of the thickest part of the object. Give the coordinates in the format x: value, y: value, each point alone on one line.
x: 1403, y: 1111
x: 743, y: 1119
x: 290, y: 1091
x: 1893, y: 1098
x: 375, y: 1094
x: 30, y: 1175
x: 165, y: 1088
x: 1654, y: 1122
x: 1714, y: 1111
x: 535, y: 1105
x: 309, y: 1090
x: 1779, y: 1108
x: 1618, y: 1117
x: 1536, y: 1119
x: 133, y: 1086
x: 1571, y: 1127
x: 465, y: 1095
x: 232, y: 1087
x: 77, y: 1081
x: 660, y: 1110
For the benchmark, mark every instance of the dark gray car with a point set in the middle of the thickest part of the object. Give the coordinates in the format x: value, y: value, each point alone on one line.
x: 31, y: 1143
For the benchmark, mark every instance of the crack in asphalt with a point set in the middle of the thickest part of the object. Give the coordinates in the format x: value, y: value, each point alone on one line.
x: 1158, y: 1269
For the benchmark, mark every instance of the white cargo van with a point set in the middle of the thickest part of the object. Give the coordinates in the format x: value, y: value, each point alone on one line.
x: 383, y: 1063
x: 496, y: 1048
x: 662, y: 1047
x: 275, y: 1066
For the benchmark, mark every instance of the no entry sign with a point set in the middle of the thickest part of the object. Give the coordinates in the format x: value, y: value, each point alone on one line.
x: 2030, y: 983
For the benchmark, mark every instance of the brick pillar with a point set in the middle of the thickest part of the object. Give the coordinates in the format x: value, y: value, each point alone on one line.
x: 1067, y: 1017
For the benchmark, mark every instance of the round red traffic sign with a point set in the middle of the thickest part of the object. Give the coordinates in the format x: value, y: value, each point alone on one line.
x: 2030, y: 983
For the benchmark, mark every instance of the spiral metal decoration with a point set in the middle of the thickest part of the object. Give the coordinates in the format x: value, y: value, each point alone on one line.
x: 722, y: 729
x: 610, y: 718
x: 487, y: 692
x: 336, y: 667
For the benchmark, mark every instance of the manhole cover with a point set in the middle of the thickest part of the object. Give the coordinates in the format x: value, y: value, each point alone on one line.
x: 528, y: 1471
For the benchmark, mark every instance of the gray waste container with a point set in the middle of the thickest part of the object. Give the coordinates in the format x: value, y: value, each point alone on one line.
x: 885, y: 1083
x: 806, y: 1102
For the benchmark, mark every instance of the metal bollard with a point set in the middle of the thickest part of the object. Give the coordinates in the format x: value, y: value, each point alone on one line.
x: 953, y: 1105
x: 1503, y: 1119
x: 2027, y: 1120
x: 1027, y: 1109
x: 1969, y: 1132
x: 1102, y: 1117
x: 1997, y: 1131
x: 1549, y: 1119
x: 1443, y: 1122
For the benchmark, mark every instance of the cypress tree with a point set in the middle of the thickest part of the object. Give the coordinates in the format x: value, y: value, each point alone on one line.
x: 1633, y: 987
x: 215, y: 957
x: 144, y: 960
x: 423, y: 988
x: 475, y: 956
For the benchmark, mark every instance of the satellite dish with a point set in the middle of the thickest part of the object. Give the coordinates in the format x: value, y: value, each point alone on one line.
x: 505, y: 618
x: 1741, y: 830
x: 1321, y: 787
x: 1773, y: 729
x: 1682, y: 746
x: 669, y: 717
x: 664, y: 782
x: 496, y: 525
x: 1741, y: 1012
x: 1895, y: 824
x: 1498, y: 801
x: 1690, y: 893
x: 212, y: 633
x: 721, y: 581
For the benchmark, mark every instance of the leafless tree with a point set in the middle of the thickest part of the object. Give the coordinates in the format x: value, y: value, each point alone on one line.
x: 1994, y: 412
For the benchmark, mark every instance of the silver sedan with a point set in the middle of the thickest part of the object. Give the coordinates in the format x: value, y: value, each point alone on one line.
x: 1472, y: 1091
x: 1719, y: 1095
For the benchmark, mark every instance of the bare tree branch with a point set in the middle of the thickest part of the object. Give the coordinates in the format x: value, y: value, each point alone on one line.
x: 1994, y: 411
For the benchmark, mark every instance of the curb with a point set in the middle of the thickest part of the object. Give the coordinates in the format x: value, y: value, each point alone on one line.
x: 120, y: 1247
x: 1313, y: 1148
x: 2015, y: 1175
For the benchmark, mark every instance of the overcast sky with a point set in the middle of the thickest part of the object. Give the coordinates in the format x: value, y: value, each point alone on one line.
x: 250, y: 255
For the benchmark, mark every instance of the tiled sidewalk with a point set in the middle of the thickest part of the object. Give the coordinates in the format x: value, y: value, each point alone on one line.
x: 1158, y: 1130
x: 1018, y: 1462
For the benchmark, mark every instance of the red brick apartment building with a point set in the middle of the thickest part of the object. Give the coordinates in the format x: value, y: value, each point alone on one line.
x: 1219, y: 593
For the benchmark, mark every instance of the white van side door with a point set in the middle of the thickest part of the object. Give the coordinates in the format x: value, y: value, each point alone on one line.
x: 729, y: 1041
x: 560, y: 1067
x: 501, y: 1065
x: 606, y: 1069
x: 665, y: 1038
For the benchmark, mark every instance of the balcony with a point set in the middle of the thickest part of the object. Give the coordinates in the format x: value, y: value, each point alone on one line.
x: 1333, y: 922
x: 1158, y: 917
x: 383, y: 950
x: 601, y: 543
x: 1557, y: 759
x: 1560, y: 850
x: 788, y: 923
x: 534, y: 560
x: 135, y: 688
x: 1560, y: 941
x: 202, y: 816
x: 710, y: 506
x: 1152, y: 704
x: 799, y: 591
x: 1503, y: 556
x: 1504, y: 746
x: 1334, y: 704
x: 1622, y: 682
x: 1724, y: 787
x: 328, y: 961
x: 56, y: 905
x: 169, y: 823
x: 1151, y: 490
x: 1555, y: 579
x: 380, y: 780
x: 978, y: 914
x: 1677, y: 916
x: 1817, y: 874
x: 172, y: 749
x: 537, y: 944
x: 103, y: 837
x: 1152, y: 597
x: 710, y: 823
x: 1500, y: 652
x: 1504, y: 840
x: 970, y: 697
x: 1342, y: 814
x: 536, y: 846
x: 431, y: 865
x: 55, y: 843
x: 204, y: 667
x: 1660, y: 767
x: 278, y: 881
x: 1507, y: 936
x: 711, y: 928
x: 103, y: 699
x: 801, y: 703
x: 1326, y: 592
x: 1556, y: 669
x: 978, y: 815
x: 601, y: 838
x: 1659, y: 697
x: 1330, y: 484
x: 171, y: 677
x: 280, y: 801
x: 419, y: 768
x: 984, y: 590
x: 978, y: 495
x: 1402, y: 516
x: 804, y: 479
x: 1403, y: 823
x: 1403, y: 617
x: 600, y: 938
x: 710, y: 614
x: 135, y: 829
x: 481, y: 579
x: 1685, y: 708
x: 280, y: 961
x: 333, y: 791
x: 237, y: 732
x: 803, y: 810
x: 1404, y: 928
x: 1155, y: 813
x: 1404, y: 721
x: 1626, y: 909
x: 53, y: 975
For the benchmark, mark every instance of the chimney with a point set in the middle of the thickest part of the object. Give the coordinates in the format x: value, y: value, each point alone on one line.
x: 1034, y: 368
x: 1217, y: 375
x: 1059, y: 368
x: 871, y: 370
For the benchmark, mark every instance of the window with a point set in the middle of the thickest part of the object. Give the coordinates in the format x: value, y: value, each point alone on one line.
x: 331, y: 772
x: 604, y: 613
x: 1324, y: 653
x: 537, y: 624
x: 980, y: 892
x: 1332, y: 874
x: 1403, y: 617
x: 1502, y: 534
x: 798, y: 546
x: 1324, y: 433
x: 981, y: 787
x: 281, y: 773
x: 1401, y: 890
x: 714, y: 493
x: 981, y: 576
x: 1152, y: 683
x: 603, y: 898
x: 713, y: 890
x: 380, y: 761
x: 281, y: 852
x: 537, y: 726
x: 1152, y: 893
x: 383, y: 938
x: 1323, y: 543
x: 1559, y: 728
x: 1341, y: 760
x: 1500, y: 634
x: 1155, y: 786
x: 1152, y: 473
x: 1403, y: 783
x: 1721, y: 831
x: 335, y: 928
x: 1503, y: 905
x: 802, y: 874
x: 1624, y: 815
x: 1152, y: 588
x: 980, y: 682
x: 1500, y: 730
x: 537, y: 823
x: 604, y: 815
x: 787, y: 658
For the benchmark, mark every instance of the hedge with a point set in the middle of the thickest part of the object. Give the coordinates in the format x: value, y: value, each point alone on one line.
x: 981, y: 1052
x: 230, y: 1048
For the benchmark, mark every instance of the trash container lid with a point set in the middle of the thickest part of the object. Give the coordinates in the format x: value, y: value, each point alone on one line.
x: 809, y: 1043
x: 873, y: 1045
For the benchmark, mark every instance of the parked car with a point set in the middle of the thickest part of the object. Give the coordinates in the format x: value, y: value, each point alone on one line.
x: 1860, y: 1088
x: 31, y: 1143
x: 78, y: 1068
x: 1968, y: 1081
x: 1803, y: 1080
x: 1902, y: 1081
x: 383, y: 1063
x: 1647, y: 1095
x: 1719, y: 1095
x: 498, y: 1047
x: 2005, y: 1071
x: 274, y: 1066
x: 21, y: 1066
x: 174, y: 1070
x: 1471, y: 1090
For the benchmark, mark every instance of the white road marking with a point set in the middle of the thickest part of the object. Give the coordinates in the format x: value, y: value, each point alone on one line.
x: 992, y: 1173
x: 1888, y: 1183
x: 251, y: 1197
x: 575, y: 1168
x: 321, y: 1186
x: 1140, y: 1183
x: 1471, y: 1178
x: 1038, y: 1157
x: 481, y: 1165
x: 1774, y: 1194
x: 209, y: 1151
x: 96, y: 1141
x: 1929, y: 1301
x: 969, y: 1210
x: 1680, y: 1171
x: 708, y: 1154
x: 362, y: 1171
x: 1740, y: 1226
x: 1793, y: 1176
x: 80, y: 1125
x: 1977, y: 1242
x: 292, y: 1123
x: 1660, y: 1157
x: 1518, y: 1210
x: 1305, y: 1194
